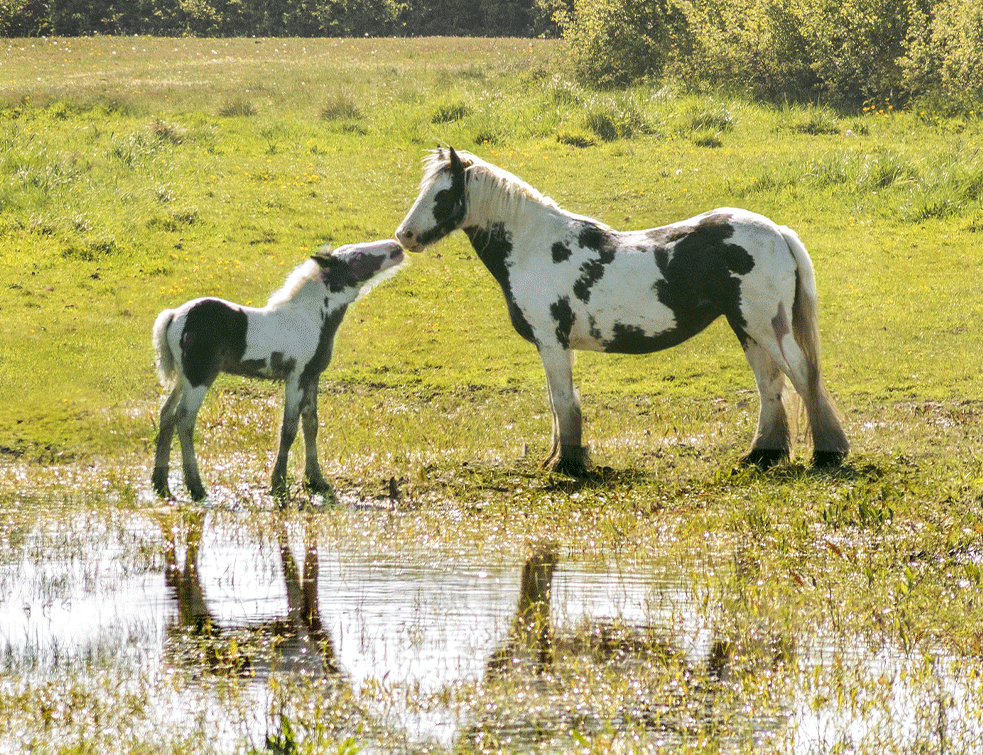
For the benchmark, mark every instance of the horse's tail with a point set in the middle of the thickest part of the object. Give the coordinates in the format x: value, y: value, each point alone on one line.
x: 167, y: 366
x: 828, y: 434
x: 805, y: 309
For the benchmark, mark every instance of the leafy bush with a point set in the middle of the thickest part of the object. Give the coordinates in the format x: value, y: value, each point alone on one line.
x: 855, y: 45
x: 844, y: 51
x: 945, y: 50
x: 615, y: 42
x: 754, y: 45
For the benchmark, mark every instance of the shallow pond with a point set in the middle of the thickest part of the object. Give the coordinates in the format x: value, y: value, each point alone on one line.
x: 175, y: 628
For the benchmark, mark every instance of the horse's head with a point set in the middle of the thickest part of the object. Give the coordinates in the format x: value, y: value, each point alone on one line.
x: 351, y: 270
x: 441, y: 206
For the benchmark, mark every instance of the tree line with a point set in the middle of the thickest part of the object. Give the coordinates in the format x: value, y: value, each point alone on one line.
x: 276, y: 18
x: 844, y: 52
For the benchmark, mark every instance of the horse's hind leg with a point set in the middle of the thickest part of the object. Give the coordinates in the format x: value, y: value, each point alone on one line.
x: 830, y: 445
x: 772, y: 440
x: 186, y: 415
x: 165, y: 434
x: 314, y: 480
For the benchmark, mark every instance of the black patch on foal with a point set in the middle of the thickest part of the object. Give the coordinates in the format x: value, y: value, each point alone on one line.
x: 322, y: 355
x: 339, y: 274
x: 214, y: 339
x: 493, y: 246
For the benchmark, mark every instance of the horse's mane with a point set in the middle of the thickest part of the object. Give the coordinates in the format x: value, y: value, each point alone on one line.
x: 492, y: 191
x: 306, y: 272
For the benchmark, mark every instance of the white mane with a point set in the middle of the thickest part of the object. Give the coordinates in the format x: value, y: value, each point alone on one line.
x: 492, y: 191
x: 306, y: 272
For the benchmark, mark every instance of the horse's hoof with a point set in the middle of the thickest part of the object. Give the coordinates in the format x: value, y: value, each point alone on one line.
x: 764, y: 458
x: 571, y: 460
x: 197, y: 493
x: 828, y: 459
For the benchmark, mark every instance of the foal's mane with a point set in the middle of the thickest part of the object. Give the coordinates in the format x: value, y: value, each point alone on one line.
x: 492, y: 191
x: 306, y: 272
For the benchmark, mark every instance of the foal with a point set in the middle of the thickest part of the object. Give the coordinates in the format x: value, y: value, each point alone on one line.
x: 290, y: 339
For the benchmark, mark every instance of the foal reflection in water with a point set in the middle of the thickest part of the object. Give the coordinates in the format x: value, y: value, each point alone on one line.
x: 290, y: 339
x: 303, y: 644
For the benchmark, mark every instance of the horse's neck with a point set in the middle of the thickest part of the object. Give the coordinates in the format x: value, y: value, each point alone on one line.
x: 309, y: 300
x: 500, y: 213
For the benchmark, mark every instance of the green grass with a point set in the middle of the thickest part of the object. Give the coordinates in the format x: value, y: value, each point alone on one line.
x: 138, y: 173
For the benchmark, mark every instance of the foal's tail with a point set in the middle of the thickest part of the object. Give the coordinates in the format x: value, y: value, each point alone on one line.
x: 167, y: 366
x: 827, y: 432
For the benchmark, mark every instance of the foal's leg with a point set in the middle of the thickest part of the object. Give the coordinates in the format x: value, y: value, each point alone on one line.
x: 772, y: 440
x: 313, y: 477
x: 567, y: 455
x: 165, y: 434
x: 187, y: 414
x: 293, y: 395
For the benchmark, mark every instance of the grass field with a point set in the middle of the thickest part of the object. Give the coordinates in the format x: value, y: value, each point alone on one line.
x: 138, y: 173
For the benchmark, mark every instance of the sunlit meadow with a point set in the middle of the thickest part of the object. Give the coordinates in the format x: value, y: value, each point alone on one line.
x: 452, y: 596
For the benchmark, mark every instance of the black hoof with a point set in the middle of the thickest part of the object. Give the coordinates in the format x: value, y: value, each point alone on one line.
x: 317, y: 486
x: 197, y: 493
x: 571, y: 460
x: 159, y: 481
x: 764, y: 458
x: 828, y: 459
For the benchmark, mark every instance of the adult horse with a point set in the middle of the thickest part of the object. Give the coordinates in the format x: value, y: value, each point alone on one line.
x: 571, y: 282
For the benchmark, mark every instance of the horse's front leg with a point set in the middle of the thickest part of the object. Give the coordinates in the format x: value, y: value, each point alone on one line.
x: 314, y: 480
x: 293, y: 395
x: 568, y: 455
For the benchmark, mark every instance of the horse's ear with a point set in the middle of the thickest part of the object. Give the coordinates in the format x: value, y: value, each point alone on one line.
x: 457, y: 167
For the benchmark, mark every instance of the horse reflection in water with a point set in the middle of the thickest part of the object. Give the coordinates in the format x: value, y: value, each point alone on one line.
x: 302, y: 644
x: 538, y: 661
x: 530, y: 681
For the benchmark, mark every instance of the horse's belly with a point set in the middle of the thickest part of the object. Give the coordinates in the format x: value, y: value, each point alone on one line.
x: 633, y: 333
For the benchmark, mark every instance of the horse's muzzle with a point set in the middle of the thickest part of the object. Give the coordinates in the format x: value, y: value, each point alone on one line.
x: 407, y: 241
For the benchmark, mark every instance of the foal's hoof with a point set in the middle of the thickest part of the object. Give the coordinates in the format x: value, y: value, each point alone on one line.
x: 570, y: 460
x: 159, y: 481
x: 318, y: 486
x: 764, y: 458
x: 828, y: 459
x: 197, y: 493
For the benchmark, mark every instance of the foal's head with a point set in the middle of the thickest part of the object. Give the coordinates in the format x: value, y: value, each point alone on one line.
x: 351, y: 270
x: 442, y: 204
